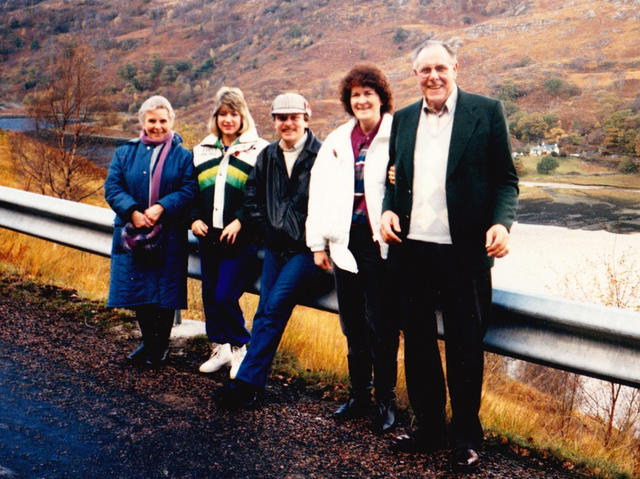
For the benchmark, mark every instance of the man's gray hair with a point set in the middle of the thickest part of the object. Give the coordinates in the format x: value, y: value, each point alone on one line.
x: 153, y: 103
x: 451, y: 46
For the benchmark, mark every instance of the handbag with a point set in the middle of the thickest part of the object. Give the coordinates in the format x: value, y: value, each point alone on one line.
x: 136, y: 239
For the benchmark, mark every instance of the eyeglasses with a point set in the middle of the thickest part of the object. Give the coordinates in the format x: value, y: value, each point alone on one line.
x: 427, y: 70
x: 291, y: 116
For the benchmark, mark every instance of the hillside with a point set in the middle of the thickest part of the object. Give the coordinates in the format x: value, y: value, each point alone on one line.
x: 576, y: 62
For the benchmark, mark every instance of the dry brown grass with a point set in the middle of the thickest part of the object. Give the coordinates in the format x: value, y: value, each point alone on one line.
x: 9, y: 177
x: 534, y: 420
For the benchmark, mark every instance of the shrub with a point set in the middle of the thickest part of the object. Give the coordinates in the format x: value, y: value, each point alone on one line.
x: 294, y: 32
x: 627, y: 166
x: 555, y: 86
x: 523, y: 62
x: 546, y: 165
x: 182, y: 65
x: 401, y: 35
x: 127, y: 72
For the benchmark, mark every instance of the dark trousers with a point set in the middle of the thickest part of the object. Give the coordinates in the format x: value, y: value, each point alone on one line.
x: 283, y: 280
x: 225, y: 272
x: 372, y: 335
x: 435, y: 277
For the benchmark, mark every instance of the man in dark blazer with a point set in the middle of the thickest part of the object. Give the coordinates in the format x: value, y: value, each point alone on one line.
x: 446, y: 216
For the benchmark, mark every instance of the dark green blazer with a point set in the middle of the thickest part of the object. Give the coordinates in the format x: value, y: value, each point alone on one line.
x: 481, y: 182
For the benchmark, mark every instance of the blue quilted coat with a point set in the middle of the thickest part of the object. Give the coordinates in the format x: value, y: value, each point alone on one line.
x: 158, y: 277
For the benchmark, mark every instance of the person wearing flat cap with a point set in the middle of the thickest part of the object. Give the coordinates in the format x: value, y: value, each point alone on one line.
x: 275, y: 207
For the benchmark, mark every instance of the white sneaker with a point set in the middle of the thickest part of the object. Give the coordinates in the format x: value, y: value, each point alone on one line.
x: 237, y: 355
x: 220, y: 356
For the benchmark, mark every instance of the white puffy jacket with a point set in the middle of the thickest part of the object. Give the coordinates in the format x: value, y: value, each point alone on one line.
x: 331, y: 192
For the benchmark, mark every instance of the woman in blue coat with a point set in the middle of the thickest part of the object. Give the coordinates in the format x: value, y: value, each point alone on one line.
x: 151, y: 187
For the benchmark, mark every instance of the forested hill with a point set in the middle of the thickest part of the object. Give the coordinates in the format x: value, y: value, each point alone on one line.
x: 567, y: 71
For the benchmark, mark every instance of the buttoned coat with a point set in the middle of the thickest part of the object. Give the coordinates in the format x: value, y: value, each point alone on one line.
x: 481, y: 182
x: 159, y: 278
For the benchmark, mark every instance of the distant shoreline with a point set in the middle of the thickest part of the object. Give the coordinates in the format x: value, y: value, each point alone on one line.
x: 591, y: 216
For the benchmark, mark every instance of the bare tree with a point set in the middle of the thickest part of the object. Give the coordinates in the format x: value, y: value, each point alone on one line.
x: 613, y: 281
x: 63, y: 112
x: 565, y: 387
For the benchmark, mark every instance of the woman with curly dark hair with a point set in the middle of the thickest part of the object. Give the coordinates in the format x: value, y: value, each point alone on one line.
x: 345, y: 206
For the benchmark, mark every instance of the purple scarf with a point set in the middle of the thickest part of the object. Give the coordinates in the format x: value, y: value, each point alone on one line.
x: 157, y: 172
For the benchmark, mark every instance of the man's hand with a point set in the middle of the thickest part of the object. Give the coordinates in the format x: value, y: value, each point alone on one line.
x: 322, y: 261
x: 497, y: 243
x: 390, y: 225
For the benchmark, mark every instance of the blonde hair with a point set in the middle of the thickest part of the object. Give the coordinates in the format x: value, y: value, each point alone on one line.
x: 233, y: 99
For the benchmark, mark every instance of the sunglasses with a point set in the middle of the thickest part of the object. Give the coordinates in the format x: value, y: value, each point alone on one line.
x: 291, y: 116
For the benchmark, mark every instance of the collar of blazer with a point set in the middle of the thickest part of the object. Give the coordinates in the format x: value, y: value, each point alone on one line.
x: 465, y: 120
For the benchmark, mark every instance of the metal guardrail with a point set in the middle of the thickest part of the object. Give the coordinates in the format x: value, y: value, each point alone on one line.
x: 596, y: 341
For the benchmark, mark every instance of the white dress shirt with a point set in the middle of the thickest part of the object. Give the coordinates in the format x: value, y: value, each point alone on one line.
x: 429, y: 216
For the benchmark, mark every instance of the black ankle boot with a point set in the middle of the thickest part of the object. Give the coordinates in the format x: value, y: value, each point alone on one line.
x: 140, y: 355
x: 160, y: 344
x: 356, y: 406
x: 385, y: 419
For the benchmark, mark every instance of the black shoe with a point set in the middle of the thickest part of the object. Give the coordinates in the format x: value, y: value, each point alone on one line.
x: 465, y: 459
x: 238, y: 394
x: 354, y: 407
x: 385, y: 419
x: 418, y: 442
x: 139, y: 355
x: 157, y: 358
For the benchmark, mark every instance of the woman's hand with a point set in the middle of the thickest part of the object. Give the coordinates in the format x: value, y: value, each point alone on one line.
x: 199, y: 228
x: 392, y: 174
x: 230, y: 232
x: 322, y: 261
x: 139, y: 220
x: 154, y: 212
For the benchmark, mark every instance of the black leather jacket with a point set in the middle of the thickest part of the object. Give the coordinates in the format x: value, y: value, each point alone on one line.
x: 275, y: 206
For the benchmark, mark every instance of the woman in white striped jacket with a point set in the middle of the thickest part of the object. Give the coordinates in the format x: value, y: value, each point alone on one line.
x: 223, y: 161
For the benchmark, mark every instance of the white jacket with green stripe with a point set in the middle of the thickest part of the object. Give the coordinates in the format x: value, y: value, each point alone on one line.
x: 222, y: 175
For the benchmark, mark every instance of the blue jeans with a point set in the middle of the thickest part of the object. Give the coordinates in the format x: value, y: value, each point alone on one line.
x: 282, y: 281
x: 225, y: 273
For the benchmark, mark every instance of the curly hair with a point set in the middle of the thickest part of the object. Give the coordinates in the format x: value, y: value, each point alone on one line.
x: 370, y: 76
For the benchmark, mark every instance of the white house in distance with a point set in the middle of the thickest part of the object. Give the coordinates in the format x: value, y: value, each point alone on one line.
x: 544, y: 149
